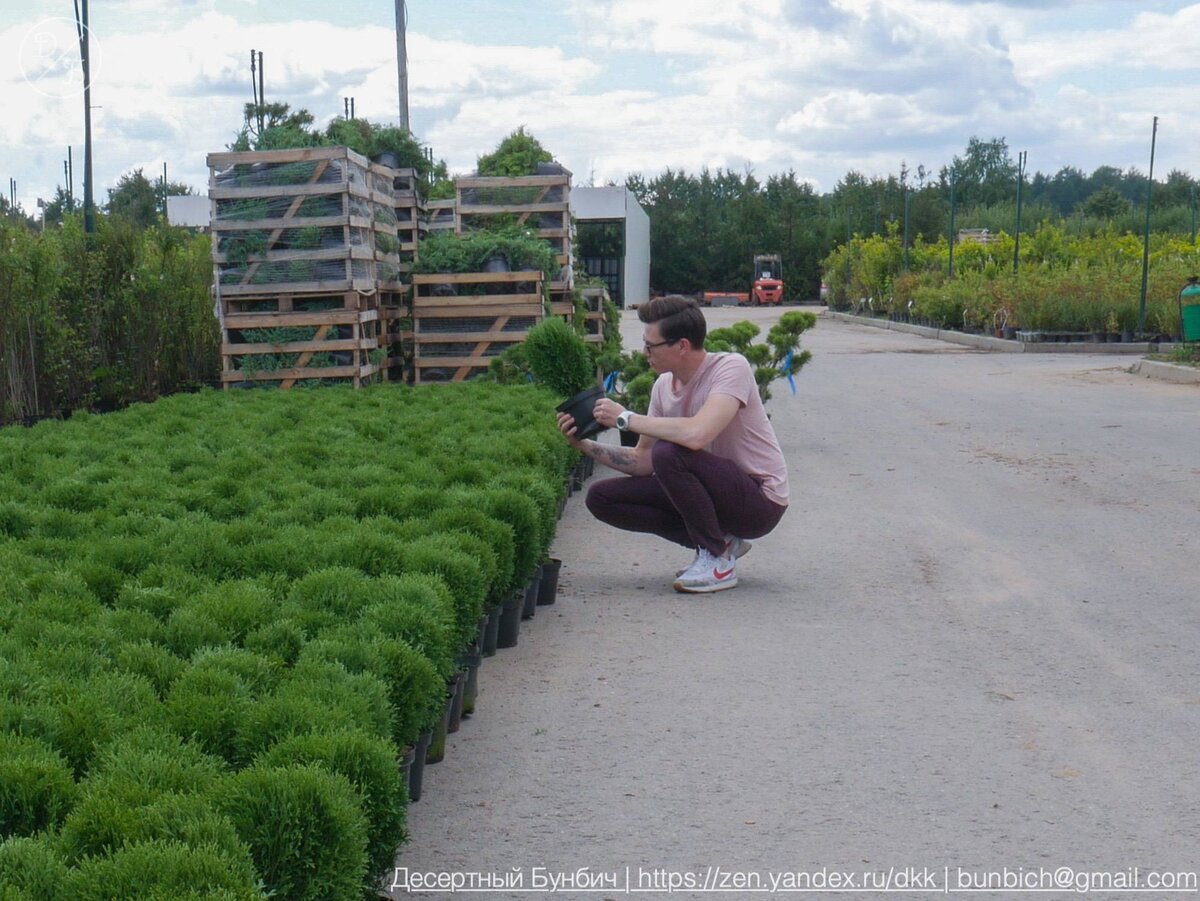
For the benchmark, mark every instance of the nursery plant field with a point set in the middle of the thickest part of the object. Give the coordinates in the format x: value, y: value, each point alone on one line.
x: 223, y: 617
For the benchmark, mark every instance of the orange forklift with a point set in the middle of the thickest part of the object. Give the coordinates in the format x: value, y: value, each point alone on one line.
x: 766, y: 290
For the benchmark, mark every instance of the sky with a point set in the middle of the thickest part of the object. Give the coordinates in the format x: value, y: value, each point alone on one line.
x: 614, y: 87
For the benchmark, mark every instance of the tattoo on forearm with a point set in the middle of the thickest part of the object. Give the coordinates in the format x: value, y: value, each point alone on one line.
x: 616, y: 457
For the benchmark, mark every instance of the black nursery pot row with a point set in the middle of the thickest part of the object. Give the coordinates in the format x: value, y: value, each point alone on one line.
x: 498, y: 629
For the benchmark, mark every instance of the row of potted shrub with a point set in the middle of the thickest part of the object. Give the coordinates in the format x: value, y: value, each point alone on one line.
x: 225, y: 618
x: 1065, y: 283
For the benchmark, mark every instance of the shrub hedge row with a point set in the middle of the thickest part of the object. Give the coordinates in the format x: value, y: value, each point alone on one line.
x: 224, y: 616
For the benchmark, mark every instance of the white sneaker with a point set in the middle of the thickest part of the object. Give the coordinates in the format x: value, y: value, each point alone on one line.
x: 708, y: 573
x: 736, y: 547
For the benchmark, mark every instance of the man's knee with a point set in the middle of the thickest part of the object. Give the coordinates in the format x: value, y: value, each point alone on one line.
x: 666, y: 455
x: 597, y: 499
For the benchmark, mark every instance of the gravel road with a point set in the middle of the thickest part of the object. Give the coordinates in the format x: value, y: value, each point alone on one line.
x: 968, y: 652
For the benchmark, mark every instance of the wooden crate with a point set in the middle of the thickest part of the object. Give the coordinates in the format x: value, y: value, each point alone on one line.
x: 539, y: 202
x: 279, y: 340
x: 441, y: 215
x: 455, y: 335
x: 299, y: 221
x: 594, y: 299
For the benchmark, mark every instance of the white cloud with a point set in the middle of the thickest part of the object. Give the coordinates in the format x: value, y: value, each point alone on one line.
x: 818, y: 86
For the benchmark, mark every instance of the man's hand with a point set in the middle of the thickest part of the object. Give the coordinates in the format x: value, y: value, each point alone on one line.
x: 606, y: 412
x: 566, y: 425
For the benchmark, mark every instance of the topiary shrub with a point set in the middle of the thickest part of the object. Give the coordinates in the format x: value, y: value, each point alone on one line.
x: 37, y: 787
x: 369, y: 764
x: 559, y: 358
x: 164, y: 870
x: 304, y: 826
x: 319, y: 694
x: 208, y: 706
x: 33, y: 868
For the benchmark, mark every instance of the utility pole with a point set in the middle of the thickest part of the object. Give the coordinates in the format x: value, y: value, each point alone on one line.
x: 70, y: 178
x: 82, y: 24
x: 257, y: 86
x: 402, y: 60
x: 1141, y: 323
x: 951, y: 223
x: 1021, y: 157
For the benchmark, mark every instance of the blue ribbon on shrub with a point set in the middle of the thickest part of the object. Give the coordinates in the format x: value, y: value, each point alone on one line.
x: 610, y: 381
x: 787, y: 367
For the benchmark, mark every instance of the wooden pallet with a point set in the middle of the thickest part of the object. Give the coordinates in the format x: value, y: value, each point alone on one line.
x: 456, y: 335
x: 282, y: 339
x: 441, y: 215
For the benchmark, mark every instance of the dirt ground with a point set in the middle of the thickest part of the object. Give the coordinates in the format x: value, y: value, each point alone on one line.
x: 967, y: 655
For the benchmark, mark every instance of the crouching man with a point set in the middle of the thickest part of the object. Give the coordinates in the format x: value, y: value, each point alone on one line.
x: 707, y: 471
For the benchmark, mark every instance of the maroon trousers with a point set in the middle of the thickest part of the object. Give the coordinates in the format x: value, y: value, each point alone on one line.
x: 694, y: 498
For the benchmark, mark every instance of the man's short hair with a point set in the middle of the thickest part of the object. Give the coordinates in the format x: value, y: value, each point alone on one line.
x: 677, y: 317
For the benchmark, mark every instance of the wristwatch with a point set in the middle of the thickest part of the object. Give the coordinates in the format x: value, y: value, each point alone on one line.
x: 623, y: 420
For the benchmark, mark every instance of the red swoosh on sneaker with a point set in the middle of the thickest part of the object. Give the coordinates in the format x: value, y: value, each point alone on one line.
x: 718, y: 575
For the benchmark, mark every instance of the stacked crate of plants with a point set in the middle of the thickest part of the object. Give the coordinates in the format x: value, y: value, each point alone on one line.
x: 462, y: 320
x: 303, y: 240
x: 440, y: 215
x: 396, y: 322
x: 538, y: 203
x: 594, y: 299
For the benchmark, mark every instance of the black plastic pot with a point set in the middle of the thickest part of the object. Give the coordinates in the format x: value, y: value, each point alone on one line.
x: 471, y: 691
x: 496, y: 264
x: 548, y: 591
x: 510, y: 621
x: 491, y: 634
x: 529, y: 608
x: 437, y: 745
x: 580, y: 408
x: 416, y: 772
x: 388, y: 158
x: 406, y: 764
x: 629, y: 439
x: 457, y: 686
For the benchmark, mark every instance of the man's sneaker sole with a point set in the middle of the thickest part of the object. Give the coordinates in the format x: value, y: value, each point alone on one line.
x: 707, y: 588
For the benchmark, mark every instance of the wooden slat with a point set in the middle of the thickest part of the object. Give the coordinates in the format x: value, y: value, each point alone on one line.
x: 365, y: 286
x: 292, y: 347
x: 475, y: 278
x: 429, y: 362
x: 295, y: 155
x: 261, y: 192
x: 477, y: 312
x: 521, y: 181
x: 340, y: 220
x: 472, y: 209
x: 512, y: 337
x: 329, y: 372
x: 354, y: 252
x: 318, y: 317
x: 477, y: 300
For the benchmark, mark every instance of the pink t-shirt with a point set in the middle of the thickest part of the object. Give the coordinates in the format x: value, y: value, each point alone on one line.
x: 749, y: 440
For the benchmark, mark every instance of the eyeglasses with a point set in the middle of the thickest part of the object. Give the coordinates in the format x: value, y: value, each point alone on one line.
x: 648, y: 346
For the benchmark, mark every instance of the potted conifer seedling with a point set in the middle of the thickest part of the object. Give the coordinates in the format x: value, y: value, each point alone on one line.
x: 560, y: 359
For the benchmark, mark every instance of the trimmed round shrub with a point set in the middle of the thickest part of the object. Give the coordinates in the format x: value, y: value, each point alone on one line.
x: 32, y: 867
x: 416, y: 693
x: 369, y: 763
x: 318, y: 695
x: 152, y: 662
x: 207, y: 705
x: 408, y: 608
x: 304, y: 826
x: 79, y: 717
x: 37, y: 787
x: 331, y: 595
x: 163, y: 870
x: 280, y: 640
x: 146, y: 785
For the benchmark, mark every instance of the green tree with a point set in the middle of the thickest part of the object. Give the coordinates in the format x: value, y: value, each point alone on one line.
x: 1105, y: 203
x: 139, y: 201
x: 516, y: 155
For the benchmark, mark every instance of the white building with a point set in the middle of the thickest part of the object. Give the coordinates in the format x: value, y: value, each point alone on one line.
x: 613, y: 239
